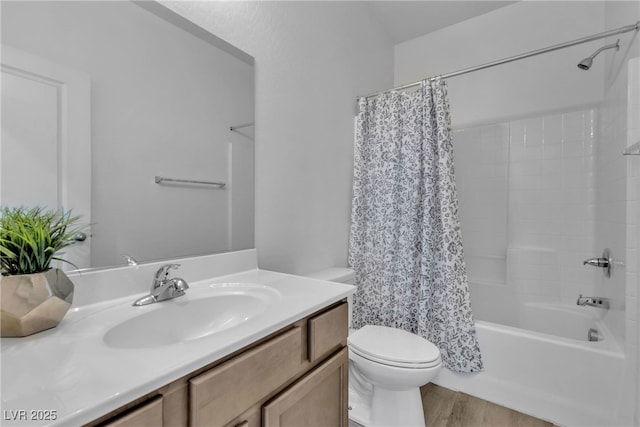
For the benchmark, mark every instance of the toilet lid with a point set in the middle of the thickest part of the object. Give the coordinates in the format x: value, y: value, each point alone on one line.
x: 393, y: 346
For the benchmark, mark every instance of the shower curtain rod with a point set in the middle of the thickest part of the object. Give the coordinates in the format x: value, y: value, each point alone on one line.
x: 625, y: 29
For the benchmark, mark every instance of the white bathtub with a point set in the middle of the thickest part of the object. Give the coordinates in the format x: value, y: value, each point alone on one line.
x: 561, y: 378
x: 561, y: 320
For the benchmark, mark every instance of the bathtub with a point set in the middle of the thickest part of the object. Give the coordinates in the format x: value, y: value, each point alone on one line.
x: 565, y: 321
x: 550, y: 370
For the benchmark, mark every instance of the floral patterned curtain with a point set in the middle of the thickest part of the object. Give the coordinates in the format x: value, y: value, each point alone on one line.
x: 405, y: 243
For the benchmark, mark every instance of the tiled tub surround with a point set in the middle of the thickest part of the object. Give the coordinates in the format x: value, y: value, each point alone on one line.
x: 527, y: 211
x: 70, y: 369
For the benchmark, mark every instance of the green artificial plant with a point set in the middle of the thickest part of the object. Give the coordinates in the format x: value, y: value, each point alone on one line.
x: 30, y: 238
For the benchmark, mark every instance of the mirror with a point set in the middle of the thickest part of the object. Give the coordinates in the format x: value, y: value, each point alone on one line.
x: 163, y: 97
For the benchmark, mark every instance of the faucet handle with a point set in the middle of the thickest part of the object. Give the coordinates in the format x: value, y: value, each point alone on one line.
x: 597, y: 262
x: 605, y: 262
x: 163, y: 271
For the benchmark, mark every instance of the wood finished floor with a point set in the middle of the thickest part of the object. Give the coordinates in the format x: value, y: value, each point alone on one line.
x: 448, y: 408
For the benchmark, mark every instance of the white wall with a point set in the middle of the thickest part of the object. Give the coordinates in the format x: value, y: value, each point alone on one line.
x: 614, y: 200
x: 312, y: 60
x: 619, y: 191
x: 550, y: 82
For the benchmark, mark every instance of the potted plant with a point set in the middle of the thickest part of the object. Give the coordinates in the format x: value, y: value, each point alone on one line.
x: 34, y: 296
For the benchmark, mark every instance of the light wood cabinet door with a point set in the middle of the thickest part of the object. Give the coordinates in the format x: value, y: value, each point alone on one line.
x: 319, y: 399
x: 147, y: 415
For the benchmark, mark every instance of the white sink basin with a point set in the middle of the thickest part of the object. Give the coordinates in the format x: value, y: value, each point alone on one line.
x: 198, y: 314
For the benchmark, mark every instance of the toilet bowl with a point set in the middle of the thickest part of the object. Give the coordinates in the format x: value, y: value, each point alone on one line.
x: 387, y: 367
x: 396, y: 363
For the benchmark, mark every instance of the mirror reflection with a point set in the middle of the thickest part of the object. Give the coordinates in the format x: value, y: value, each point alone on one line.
x: 99, y: 99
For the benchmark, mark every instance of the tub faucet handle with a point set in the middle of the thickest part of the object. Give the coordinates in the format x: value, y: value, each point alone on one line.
x: 597, y: 262
x: 605, y: 262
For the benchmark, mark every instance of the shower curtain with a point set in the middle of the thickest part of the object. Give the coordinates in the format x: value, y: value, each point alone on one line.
x: 405, y: 241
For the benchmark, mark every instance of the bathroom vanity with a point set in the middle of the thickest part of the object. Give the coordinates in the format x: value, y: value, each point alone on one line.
x: 295, y: 377
x: 269, y: 349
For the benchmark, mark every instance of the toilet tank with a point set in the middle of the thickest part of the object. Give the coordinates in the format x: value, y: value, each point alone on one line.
x: 340, y: 275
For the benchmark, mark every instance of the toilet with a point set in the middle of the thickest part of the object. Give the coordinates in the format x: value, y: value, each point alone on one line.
x: 387, y: 367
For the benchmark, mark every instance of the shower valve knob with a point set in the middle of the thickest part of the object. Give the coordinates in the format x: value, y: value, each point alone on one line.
x: 605, y: 262
x: 597, y: 262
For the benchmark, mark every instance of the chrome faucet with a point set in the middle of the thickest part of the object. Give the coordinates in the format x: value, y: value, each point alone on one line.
x: 593, y: 302
x: 163, y: 287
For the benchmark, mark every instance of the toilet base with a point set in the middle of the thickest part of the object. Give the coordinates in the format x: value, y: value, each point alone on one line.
x: 390, y: 408
x: 397, y: 408
x: 359, y: 408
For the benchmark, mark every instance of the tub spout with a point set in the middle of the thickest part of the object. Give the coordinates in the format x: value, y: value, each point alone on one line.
x: 593, y: 302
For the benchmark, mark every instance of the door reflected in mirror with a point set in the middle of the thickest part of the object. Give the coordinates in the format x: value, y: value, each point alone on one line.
x: 99, y: 99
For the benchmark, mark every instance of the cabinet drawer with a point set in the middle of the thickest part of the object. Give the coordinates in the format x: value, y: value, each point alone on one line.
x: 328, y: 332
x: 146, y: 415
x: 219, y: 395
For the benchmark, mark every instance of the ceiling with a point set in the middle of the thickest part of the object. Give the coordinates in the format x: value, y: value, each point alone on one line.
x: 405, y: 20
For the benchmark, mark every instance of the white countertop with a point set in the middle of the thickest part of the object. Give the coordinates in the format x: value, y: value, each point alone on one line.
x: 71, y: 372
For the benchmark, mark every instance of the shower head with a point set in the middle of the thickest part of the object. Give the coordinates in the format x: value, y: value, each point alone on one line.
x: 586, y: 63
